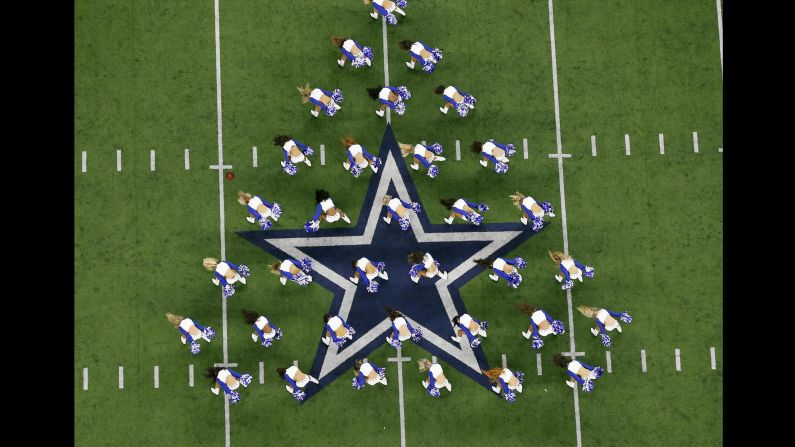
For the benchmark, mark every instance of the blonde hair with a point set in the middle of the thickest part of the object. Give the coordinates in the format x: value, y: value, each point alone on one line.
x: 274, y: 268
x: 406, y: 149
x: 493, y: 374
x: 305, y: 92
x: 517, y: 199
x: 174, y: 319
x: 348, y: 141
x: 243, y: 198
x: 558, y: 256
x: 589, y: 312
x: 210, y: 263
x: 386, y: 199
x: 424, y: 364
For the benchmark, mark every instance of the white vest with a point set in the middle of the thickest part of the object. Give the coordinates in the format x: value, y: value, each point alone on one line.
x: 460, y: 204
x: 186, y: 324
x: 261, y: 322
x: 222, y: 268
x: 355, y: 150
x: 436, y: 371
x: 291, y: 371
x: 506, y: 376
x: 347, y: 45
x: 327, y: 205
x: 394, y: 204
x: 602, y: 316
x: 384, y: 93
x: 293, y: 158
x: 255, y: 203
x: 568, y: 264
x: 399, y: 323
x: 528, y: 203
x: 316, y: 94
x: 417, y: 48
x: 286, y: 265
x: 334, y: 323
x: 538, y: 317
x: 450, y: 92
x: 362, y: 264
x: 488, y: 148
x: 223, y: 375
x: 499, y: 263
x: 574, y: 366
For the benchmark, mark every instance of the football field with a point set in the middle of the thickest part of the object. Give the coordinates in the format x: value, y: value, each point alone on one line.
x: 615, y: 108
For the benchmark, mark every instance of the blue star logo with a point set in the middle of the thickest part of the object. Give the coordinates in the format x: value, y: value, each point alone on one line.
x: 431, y: 304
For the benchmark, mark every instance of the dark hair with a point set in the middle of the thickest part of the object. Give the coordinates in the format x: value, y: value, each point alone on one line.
x: 250, y: 316
x: 279, y: 140
x: 455, y: 319
x: 560, y: 360
x: 357, y: 364
x: 439, y: 90
x: 321, y: 195
x: 448, y: 203
x: 405, y: 44
x: 373, y: 92
x: 281, y: 371
x: 486, y: 262
x: 392, y: 313
x: 212, y: 372
x: 338, y: 41
x: 326, y: 317
x: 526, y: 308
x: 353, y: 263
x: 477, y: 146
x: 416, y: 257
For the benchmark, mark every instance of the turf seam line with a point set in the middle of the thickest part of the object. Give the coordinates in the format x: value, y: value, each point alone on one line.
x: 121, y: 377
x: 152, y: 160
x: 386, y: 72
x: 85, y: 379
x: 593, y: 145
x: 662, y: 144
x: 261, y: 373
x: 538, y: 363
x: 84, y: 156
x: 695, y: 142
x: 187, y: 159
x: 118, y: 160
x: 504, y: 361
x: 609, y: 361
x: 677, y: 354
x: 720, y: 35
x: 190, y: 375
x: 525, y: 148
x: 643, y: 360
x: 254, y: 156
x: 626, y: 143
x: 712, y: 361
x: 322, y: 155
x: 157, y: 376
x: 457, y: 150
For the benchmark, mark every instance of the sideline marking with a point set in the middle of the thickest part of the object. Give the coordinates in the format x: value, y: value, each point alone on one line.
x: 538, y: 363
x: 720, y: 35
x: 152, y: 160
x: 593, y: 145
x: 526, y: 149
x: 643, y: 360
x: 695, y: 142
x: 121, y: 377
x: 85, y: 379
x: 504, y: 361
x: 626, y: 142
x: 457, y: 150
x: 187, y: 159
x: 433, y: 359
x: 84, y: 156
x: 225, y: 365
x: 609, y: 362
x: 678, y: 360
x: 157, y: 376
x: 190, y: 375
x: 322, y: 155
x: 386, y: 67
x: 261, y: 373
x: 118, y: 160
x: 713, y: 363
x: 662, y: 144
x: 400, y: 361
x: 254, y: 156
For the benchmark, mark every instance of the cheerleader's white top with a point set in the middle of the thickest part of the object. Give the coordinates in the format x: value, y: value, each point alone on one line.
x: 507, y: 375
x: 436, y: 370
x: 186, y: 324
x: 569, y: 263
x: 334, y: 323
x: 381, y: 3
x: 528, y: 202
x: 499, y: 263
x: 422, y: 151
x: 465, y: 319
x: 293, y: 158
x: 460, y: 204
x: 222, y: 376
x: 261, y: 322
x: 427, y: 262
x: 602, y: 316
x: 255, y: 203
x: 222, y: 268
x: 327, y: 205
x: 449, y: 91
x: 400, y: 322
x: 286, y: 265
x: 384, y: 93
x: 394, y: 204
x: 355, y: 150
x: 316, y: 94
x: 488, y: 148
x: 366, y: 369
x: 537, y: 317
x: 291, y: 371
x: 417, y: 48
x: 362, y: 264
x: 574, y: 366
x: 348, y: 45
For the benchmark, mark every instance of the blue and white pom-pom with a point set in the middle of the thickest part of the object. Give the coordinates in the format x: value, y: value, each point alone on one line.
x: 391, y: 19
x: 436, y: 148
x: 395, y: 342
x: 519, y: 376
x: 302, y: 279
x: 401, y: 3
x: 340, y: 342
x: 299, y: 395
x: 372, y: 287
x: 245, y: 380
x: 264, y: 223
x: 351, y: 331
x: 331, y: 110
x: 244, y: 271
x: 208, y: 333
x: 306, y: 264
x: 437, y: 54
x: 356, y: 170
x: 547, y: 207
x: 368, y: 52
x: 276, y: 210
x: 428, y: 67
x: 519, y: 263
x: 234, y: 397
x: 510, y: 396
x: 606, y: 342
x: 267, y: 342
x: 597, y: 372
x: 308, y: 152
x: 484, y: 325
x: 538, y: 224
x: 414, y: 271
x: 626, y: 317
x: 360, y: 60
x: 336, y: 95
x: 475, y: 342
x: 568, y: 284
x: 290, y: 168
x: 381, y: 372
x: 415, y: 206
x: 462, y: 109
x: 589, y: 271
x: 469, y: 99
x: 509, y: 150
x: 377, y: 162
x: 229, y: 290
x: 433, y: 171
x: 416, y: 335
x: 434, y: 392
x: 404, y: 222
x: 514, y: 279
x: 404, y: 92
x: 400, y: 107
x: 476, y: 219
x: 537, y: 343
x: 557, y: 327
x: 380, y: 266
x: 500, y: 167
x: 195, y: 348
x: 278, y: 334
x: 483, y: 208
x: 356, y: 384
x: 587, y: 386
x: 312, y: 226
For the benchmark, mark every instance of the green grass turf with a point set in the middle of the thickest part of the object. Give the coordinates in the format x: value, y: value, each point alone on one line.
x: 145, y: 79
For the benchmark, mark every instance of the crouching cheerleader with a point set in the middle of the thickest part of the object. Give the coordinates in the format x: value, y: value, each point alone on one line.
x: 325, y: 210
x: 506, y: 268
x: 386, y: 8
x: 337, y: 330
x: 260, y: 209
x: 292, y: 270
x: 227, y: 274
x: 353, y: 51
x: 191, y: 331
x: 506, y: 381
x: 606, y: 320
x: 228, y: 380
x: 369, y: 373
x: 294, y: 152
x: 358, y: 158
x: 472, y: 328
x: 402, y: 330
x: 496, y: 153
x: 423, y: 155
x: 322, y: 99
x: 532, y: 210
x: 264, y: 329
x: 464, y: 209
x: 427, y: 57
x: 399, y: 210
x: 579, y: 372
x: 461, y: 102
x: 570, y: 268
x: 436, y: 379
x: 367, y: 270
x: 393, y: 97
x: 297, y: 381
x: 541, y: 325
x: 424, y: 266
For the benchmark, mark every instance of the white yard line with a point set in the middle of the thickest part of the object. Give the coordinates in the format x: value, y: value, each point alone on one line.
x: 525, y: 148
x: 678, y: 360
x: 593, y: 145
x: 695, y: 142
x: 559, y: 155
x: 118, y: 160
x: 152, y: 160
x: 261, y: 373
x: 84, y: 157
x: 643, y: 360
x: 399, y: 360
x: 85, y: 379
x: 538, y: 363
x: 295, y: 363
x: 322, y: 155
x: 386, y: 67
x: 190, y: 375
x: 504, y: 361
x: 712, y: 361
x: 187, y: 159
x: 433, y: 359
x: 662, y: 144
x: 121, y: 377
x: 254, y: 156
x: 457, y: 150
x: 720, y: 35
x: 157, y: 376
x: 626, y: 143
x: 609, y: 361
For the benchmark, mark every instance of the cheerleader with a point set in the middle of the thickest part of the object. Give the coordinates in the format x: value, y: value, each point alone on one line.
x: 532, y: 210
x: 353, y: 51
x: 228, y: 380
x: 458, y: 100
x: 393, y: 97
x: 571, y: 269
x: 423, y: 155
x: 337, y: 330
x: 464, y: 209
x: 578, y: 371
x: 397, y: 208
x: 358, y: 158
x: 369, y: 373
x: 472, y: 328
x: 386, y: 8
x: 227, y: 274
x: 427, y: 57
x: 366, y: 270
x: 541, y: 325
x: 294, y: 152
x: 506, y: 268
x: 506, y: 381
x: 265, y: 331
x: 322, y: 99
x: 292, y: 270
x: 606, y: 320
x: 325, y: 210
x: 424, y: 266
x: 191, y: 331
x: 402, y: 330
x: 496, y: 153
x: 260, y: 209
x: 436, y: 379
x: 297, y: 381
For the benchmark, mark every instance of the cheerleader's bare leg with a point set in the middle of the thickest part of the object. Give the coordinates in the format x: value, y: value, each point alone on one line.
x: 380, y: 111
x: 341, y: 61
x: 344, y: 216
x: 524, y: 218
x: 410, y: 63
x: 374, y: 14
x: 354, y: 278
x: 315, y: 112
x: 484, y: 162
x: 444, y: 108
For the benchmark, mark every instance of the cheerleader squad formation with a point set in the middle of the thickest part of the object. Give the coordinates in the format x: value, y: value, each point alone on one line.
x: 263, y: 213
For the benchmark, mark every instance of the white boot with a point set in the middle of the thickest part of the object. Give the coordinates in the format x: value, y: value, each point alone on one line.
x: 379, y: 112
x: 283, y: 280
x: 325, y: 340
x: 526, y: 334
x: 519, y: 388
x: 282, y: 163
x: 443, y: 110
x: 558, y: 278
x: 216, y: 281
x: 384, y: 275
x: 455, y: 339
x: 494, y: 277
x: 416, y: 280
x: 368, y: 62
x: 383, y: 380
x: 550, y: 215
x: 410, y: 64
x: 289, y: 389
x: 483, y: 333
x: 183, y: 339
x: 214, y: 390
x: 308, y: 163
x: 580, y: 278
x: 254, y: 337
x: 250, y: 219
x: 443, y: 275
x: 523, y: 220
x: 374, y: 15
x: 618, y: 327
x: 346, y: 165
x: 341, y: 62
x: 314, y: 113
x: 449, y: 220
x: 354, y: 279
x: 484, y: 163
x: 388, y: 219
x: 471, y: 106
x: 375, y: 170
x: 438, y: 158
x: 346, y: 218
x: 569, y: 384
x: 313, y: 380
x: 424, y: 384
x: 275, y: 219
x: 400, y: 11
x: 415, y: 167
x: 496, y: 389
x: 448, y: 385
x: 594, y: 332
x: 241, y: 279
